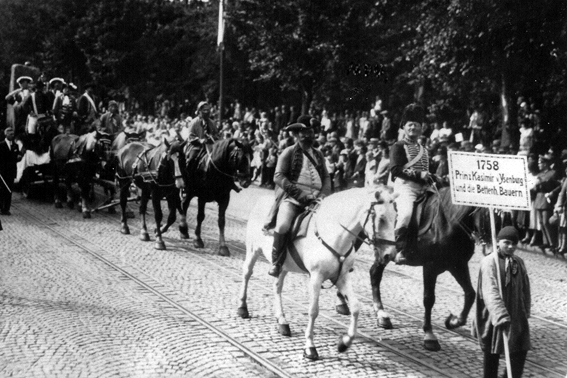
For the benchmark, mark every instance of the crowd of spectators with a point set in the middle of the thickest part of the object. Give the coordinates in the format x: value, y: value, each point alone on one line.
x: 356, y: 147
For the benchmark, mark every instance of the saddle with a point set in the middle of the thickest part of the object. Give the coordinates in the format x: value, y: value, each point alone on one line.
x: 298, y: 230
x: 425, y: 218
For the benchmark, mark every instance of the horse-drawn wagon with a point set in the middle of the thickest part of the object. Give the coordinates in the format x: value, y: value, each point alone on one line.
x: 35, y: 173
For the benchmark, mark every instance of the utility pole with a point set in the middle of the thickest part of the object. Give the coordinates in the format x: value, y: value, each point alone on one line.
x: 220, y: 43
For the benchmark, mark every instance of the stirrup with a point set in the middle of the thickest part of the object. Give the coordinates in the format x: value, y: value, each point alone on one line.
x: 275, y: 270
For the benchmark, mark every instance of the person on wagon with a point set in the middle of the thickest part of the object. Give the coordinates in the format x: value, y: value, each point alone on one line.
x: 301, y: 177
x: 508, y: 313
x: 409, y: 167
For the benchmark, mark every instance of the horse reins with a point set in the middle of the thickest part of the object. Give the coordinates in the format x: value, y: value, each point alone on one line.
x: 375, y: 239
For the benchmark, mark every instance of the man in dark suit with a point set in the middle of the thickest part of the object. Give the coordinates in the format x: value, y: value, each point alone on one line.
x: 8, y: 158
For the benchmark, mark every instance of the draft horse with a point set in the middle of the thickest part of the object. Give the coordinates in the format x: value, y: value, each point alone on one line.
x: 446, y: 242
x: 218, y: 168
x: 76, y: 159
x: 156, y: 171
x: 108, y: 167
x: 326, y: 252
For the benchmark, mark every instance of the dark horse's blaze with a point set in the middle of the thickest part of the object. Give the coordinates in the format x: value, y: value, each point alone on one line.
x: 75, y: 158
x: 447, y: 246
x: 227, y: 160
x: 152, y: 169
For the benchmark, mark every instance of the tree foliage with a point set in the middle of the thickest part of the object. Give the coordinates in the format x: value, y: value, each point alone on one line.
x: 449, y: 54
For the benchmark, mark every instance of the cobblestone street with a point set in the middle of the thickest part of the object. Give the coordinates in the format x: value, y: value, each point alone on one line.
x: 79, y: 299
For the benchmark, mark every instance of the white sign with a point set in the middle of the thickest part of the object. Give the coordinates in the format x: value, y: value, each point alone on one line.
x: 488, y: 180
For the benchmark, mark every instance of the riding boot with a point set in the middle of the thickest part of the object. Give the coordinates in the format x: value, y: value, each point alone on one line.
x: 401, y: 235
x: 278, y: 254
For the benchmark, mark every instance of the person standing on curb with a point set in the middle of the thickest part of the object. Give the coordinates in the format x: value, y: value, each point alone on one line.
x: 508, y: 313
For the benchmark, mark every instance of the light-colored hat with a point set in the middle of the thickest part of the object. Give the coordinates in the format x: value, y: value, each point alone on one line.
x: 57, y: 79
x: 24, y: 78
x: 201, y: 104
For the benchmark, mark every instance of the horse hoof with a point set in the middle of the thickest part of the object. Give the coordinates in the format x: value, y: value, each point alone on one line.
x: 432, y: 345
x: 58, y: 205
x: 223, y: 251
x: 311, y: 353
x: 385, y: 323
x: 160, y: 245
x: 111, y: 210
x: 125, y: 230
x: 198, y: 243
x: 344, y: 343
x: 342, y: 309
x: 144, y: 236
x: 243, y: 312
x: 452, y: 322
x: 184, y: 231
x: 284, y: 330
x: 86, y: 215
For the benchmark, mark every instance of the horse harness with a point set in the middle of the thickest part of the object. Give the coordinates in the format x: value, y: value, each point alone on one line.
x: 147, y: 175
x: 371, y: 213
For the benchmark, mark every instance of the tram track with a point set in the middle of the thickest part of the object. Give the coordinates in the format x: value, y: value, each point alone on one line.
x: 258, y: 358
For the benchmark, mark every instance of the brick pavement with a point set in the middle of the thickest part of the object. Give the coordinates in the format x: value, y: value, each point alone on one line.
x: 191, y: 282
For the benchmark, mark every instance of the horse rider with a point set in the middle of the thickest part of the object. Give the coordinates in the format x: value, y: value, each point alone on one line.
x: 202, y: 132
x: 16, y: 98
x: 301, y: 177
x: 409, y: 166
x: 111, y: 121
x: 87, y: 109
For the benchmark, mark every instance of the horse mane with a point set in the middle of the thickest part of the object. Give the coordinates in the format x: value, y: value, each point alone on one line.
x: 453, y: 213
x: 220, y: 152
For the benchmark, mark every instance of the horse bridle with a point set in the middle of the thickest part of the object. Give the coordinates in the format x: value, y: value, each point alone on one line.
x: 376, y: 241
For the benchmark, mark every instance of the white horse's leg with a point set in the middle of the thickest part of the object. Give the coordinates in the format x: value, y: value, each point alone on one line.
x: 345, y: 287
x: 283, y: 325
x: 247, y: 270
x: 315, y: 282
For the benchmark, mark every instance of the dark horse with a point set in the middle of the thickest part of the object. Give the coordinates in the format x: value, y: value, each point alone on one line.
x: 108, y: 167
x: 227, y: 160
x: 156, y: 171
x: 76, y: 159
x: 446, y: 242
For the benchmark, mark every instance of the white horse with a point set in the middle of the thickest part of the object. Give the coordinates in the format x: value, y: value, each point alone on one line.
x: 327, y: 251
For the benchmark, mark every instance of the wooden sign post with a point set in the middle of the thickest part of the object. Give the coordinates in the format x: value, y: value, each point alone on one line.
x: 493, y: 181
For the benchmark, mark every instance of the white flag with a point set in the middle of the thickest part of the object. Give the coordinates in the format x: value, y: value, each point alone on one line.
x: 220, y: 37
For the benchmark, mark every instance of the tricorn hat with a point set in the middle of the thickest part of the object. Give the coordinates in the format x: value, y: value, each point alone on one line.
x: 295, y: 127
x: 57, y: 79
x: 22, y: 78
x: 90, y: 85
x: 413, y: 113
